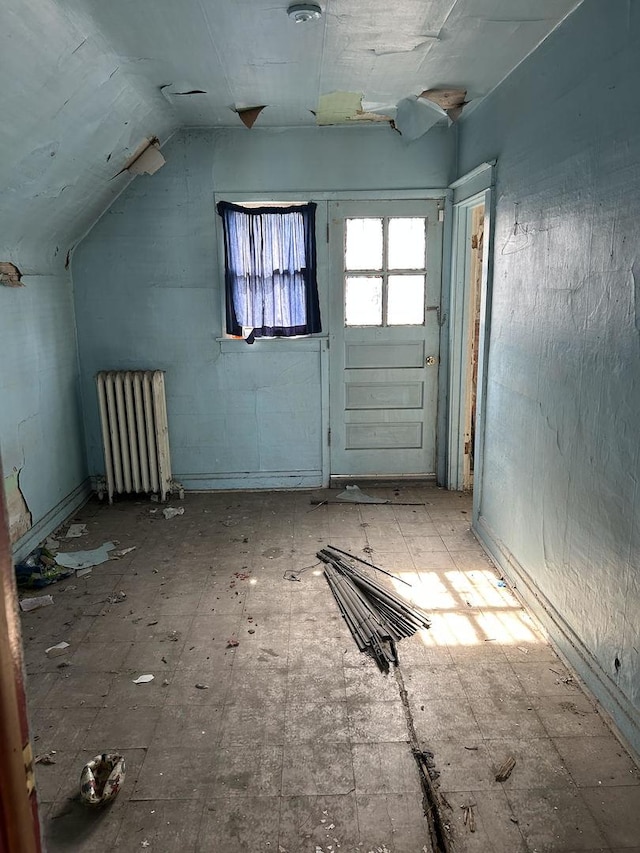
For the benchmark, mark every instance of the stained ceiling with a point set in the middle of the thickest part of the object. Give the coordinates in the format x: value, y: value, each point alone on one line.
x: 85, y: 82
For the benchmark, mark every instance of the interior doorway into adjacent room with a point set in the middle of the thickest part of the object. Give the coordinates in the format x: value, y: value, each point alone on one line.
x: 469, y: 328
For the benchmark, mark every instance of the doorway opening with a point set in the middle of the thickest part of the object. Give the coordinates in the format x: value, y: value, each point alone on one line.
x: 469, y: 310
x: 476, y: 249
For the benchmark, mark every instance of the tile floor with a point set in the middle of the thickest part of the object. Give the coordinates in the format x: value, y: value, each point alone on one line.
x: 298, y: 743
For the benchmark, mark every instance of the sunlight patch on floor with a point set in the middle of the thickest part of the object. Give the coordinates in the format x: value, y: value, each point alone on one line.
x: 467, y: 608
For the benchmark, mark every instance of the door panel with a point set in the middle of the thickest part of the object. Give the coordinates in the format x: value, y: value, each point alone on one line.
x: 385, y: 298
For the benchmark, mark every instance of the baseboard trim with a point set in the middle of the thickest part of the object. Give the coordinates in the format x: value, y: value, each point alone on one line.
x: 382, y: 480
x: 613, y: 702
x: 251, y: 480
x: 56, y: 515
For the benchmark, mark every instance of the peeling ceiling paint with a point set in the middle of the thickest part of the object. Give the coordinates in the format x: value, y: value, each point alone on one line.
x: 415, y: 116
x: 110, y: 75
x: 249, y: 115
x: 346, y: 108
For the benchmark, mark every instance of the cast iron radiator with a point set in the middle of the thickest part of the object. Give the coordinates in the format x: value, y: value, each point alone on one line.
x: 135, y: 434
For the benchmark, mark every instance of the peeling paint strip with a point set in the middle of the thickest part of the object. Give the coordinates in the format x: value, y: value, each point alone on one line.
x: 20, y: 519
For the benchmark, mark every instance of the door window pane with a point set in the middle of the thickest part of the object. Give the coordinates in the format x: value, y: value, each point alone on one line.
x: 405, y: 300
x: 363, y: 249
x: 407, y: 244
x: 363, y: 300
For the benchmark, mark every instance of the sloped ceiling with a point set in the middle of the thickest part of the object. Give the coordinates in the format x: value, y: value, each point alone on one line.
x: 84, y: 82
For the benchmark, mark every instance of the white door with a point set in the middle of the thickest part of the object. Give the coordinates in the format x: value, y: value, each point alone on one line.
x: 385, y: 309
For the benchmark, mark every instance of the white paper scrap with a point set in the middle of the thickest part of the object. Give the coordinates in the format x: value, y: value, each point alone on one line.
x: 143, y: 679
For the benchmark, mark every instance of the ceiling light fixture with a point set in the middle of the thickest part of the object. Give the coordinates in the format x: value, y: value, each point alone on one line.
x: 303, y: 12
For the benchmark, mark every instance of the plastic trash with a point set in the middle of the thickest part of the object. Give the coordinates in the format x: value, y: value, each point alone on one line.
x: 102, y: 778
x: 355, y: 495
x: 58, y: 649
x: 40, y: 569
x: 171, y: 512
x: 34, y: 603
x: 143, y: 679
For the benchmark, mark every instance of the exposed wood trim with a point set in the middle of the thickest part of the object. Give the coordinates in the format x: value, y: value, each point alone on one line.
x: 18, y: 816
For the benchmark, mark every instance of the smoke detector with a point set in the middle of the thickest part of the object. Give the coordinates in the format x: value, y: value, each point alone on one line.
x: 303, y: 12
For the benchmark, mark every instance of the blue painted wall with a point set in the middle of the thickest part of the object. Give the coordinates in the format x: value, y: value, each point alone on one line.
x: 147, y: 289
x: 41, y: 433
x: 560, y: 492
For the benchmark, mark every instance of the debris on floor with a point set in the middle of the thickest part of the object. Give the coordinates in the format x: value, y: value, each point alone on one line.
x: 27, y: 604
x: 102, y: 778
x: 469, y: 819
x: 563, y: 679
x: 82, y: 573
x: 295, y: 574
x: 58, y: 649
x: 40, y: 569
x: 505, y: 769
x: 116, y: 597
x: 75, y: 531
x: 377, y: 617
x: 339, y: 723
x: 355, y: 495
x: 232, y: 642
x: 171, y: 512
x: 84, y: 559
x: 116, y: 555
x: 143, y: 679
x: 45, y: 758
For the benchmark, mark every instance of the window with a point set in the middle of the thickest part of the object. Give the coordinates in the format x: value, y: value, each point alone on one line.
x: 270, y: 271
x: 385, y: 271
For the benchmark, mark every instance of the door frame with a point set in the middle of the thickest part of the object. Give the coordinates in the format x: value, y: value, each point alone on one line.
x: 473, y: 189
x: 432, y: 209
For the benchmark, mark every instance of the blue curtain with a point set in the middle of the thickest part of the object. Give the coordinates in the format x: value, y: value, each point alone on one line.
x: 270, y: 270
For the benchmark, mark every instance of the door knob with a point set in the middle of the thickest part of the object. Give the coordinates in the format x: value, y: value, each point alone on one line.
x: 431, y: 359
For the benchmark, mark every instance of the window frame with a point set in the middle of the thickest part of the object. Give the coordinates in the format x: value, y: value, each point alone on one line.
x: 383, y: 273
x: 262, y: 204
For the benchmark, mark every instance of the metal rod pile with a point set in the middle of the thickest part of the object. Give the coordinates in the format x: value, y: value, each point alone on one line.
x: 376, y: 617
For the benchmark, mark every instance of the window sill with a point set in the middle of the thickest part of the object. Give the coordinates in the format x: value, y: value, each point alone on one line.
x: 311, y: 343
